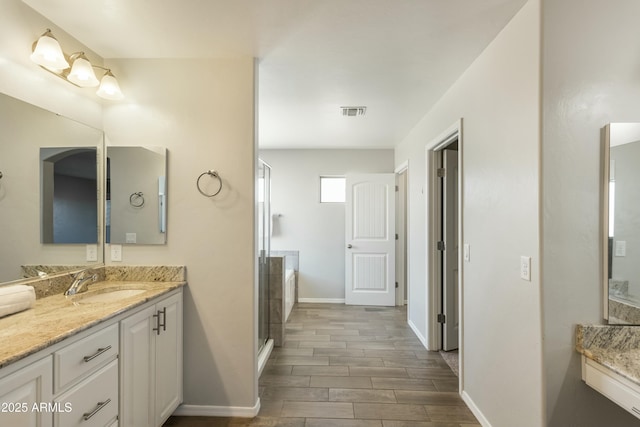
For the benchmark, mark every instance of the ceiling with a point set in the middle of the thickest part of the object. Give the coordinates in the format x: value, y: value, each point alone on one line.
x: 396, y: 57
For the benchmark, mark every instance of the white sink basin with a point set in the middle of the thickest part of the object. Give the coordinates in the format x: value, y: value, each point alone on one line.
x: 107, y: 296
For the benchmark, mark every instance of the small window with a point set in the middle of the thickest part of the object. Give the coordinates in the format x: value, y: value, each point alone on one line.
x: 332, y: 189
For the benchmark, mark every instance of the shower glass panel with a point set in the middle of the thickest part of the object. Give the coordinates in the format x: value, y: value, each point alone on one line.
x: 264, y: 246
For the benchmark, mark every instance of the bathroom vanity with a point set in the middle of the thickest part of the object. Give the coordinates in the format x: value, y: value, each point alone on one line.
x: 611, y: 362
x: 611, y: 352
x: 111, y: 356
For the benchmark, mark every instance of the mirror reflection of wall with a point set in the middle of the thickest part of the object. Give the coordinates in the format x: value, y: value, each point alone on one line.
x: 69, y: 195
x: 136, y: 195
x: 26, y: 128
x: 623, y: 227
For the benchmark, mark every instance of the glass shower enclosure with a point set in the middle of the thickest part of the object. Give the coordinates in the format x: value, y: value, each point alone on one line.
x: 264, y: 247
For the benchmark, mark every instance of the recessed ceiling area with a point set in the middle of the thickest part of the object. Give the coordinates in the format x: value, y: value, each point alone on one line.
x: 396, y: 57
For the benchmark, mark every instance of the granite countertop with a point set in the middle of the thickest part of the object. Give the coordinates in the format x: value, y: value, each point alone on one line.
x: 616, y: 347
x: 57, y: 317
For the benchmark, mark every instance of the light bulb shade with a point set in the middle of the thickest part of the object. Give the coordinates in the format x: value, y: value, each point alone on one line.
x: 48, y: 53
x: 109, y: 88
x: 82, y: 74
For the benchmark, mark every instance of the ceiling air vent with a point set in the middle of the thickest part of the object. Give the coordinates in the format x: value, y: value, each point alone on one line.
x: 353, y: 111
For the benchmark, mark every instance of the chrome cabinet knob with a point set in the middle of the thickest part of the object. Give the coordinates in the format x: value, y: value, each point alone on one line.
x: 349, y: 246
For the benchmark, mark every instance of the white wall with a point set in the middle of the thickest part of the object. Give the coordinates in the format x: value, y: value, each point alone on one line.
x: 313, y: 228
x: 498, y: 99
x: 591, y: 77
x: 202, y: 111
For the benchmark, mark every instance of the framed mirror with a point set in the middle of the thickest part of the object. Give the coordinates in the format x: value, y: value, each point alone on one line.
x: 25, y: 130
x: 136, y: 195
x: 621, y: 223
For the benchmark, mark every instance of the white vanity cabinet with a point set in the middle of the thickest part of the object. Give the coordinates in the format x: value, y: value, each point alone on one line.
x: 615, y: 387
x: 151, y: 360
x: 24, y: 388
x: 124, y: 371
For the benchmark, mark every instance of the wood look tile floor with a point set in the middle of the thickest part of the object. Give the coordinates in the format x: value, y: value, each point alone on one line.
x: 351, y: 366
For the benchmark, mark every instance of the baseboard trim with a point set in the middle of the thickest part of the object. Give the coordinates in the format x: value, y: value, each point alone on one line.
x: 474, y: 408
x: 415, y: 330
x: 218, y: 411
x: 322, y: 300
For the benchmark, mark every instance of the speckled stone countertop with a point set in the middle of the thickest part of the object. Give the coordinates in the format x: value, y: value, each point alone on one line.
x: 56, y: 317
x: 616, y: 347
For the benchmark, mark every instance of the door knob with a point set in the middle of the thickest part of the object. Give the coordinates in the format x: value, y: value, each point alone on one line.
x: 349, y: 246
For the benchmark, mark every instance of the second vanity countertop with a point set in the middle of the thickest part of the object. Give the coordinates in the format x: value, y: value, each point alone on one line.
x: 615, y: 347
x: 57, y: 317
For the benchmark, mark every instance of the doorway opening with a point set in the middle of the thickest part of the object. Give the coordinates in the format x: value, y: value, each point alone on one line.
x: 444, y: 219
x: 402, y: 174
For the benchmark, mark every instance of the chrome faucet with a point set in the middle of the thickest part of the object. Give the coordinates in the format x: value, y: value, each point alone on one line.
x: 80, y: 283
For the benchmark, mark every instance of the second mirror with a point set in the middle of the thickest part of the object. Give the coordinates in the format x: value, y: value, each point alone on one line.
x: 136, y: 202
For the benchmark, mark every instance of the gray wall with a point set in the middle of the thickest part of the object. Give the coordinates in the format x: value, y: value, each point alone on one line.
x: 315, y: 229
x: 498, y: 99
x: 591, y: 76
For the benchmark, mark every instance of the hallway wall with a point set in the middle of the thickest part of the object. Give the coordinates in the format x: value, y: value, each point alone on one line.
x: 202, y: 127
x: 498, y: 99
x: 591, y: 77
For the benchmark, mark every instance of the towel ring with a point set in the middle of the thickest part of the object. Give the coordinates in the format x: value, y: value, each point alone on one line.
x: 136, y: 199
x: 214, y: 174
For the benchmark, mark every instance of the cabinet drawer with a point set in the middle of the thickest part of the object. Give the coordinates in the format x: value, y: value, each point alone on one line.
x: 84, y: 356
x: 613, y: 386
x: 93, y: 402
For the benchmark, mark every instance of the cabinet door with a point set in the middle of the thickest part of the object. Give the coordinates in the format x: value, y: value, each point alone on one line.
x: 168, y: 358
x: 22, y: 392
x: 137, y: 371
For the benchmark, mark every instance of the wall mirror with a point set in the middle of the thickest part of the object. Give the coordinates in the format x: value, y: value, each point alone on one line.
x: 25, y: 129
x: 136, y: 195
x: 69, y: 194
x: 621, y: 225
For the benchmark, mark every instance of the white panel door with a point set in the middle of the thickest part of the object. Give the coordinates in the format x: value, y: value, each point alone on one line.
x: 370, y: 240
x: 450, y: 255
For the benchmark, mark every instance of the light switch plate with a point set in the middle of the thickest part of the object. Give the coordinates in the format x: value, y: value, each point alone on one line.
x: 525, y: 268
x: 131, y: 237
x: 467, y: 252
x: 92, y: 252
x: 621, y: 248
x: 116, y: 252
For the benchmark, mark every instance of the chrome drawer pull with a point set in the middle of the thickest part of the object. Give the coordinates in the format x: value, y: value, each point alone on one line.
x: 101, y: 405
x: 157, y: 316
x: 164, y: 318
x: 160, y: 324
x: 97, y: 353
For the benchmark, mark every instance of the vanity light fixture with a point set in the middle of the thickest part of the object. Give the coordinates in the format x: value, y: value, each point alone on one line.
x: 49, y: 55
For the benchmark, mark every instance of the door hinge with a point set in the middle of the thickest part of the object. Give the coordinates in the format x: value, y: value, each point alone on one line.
x: 397, y: 188
x: 396, y: 285
x: 397, y: 236
x: 441, y: 318
x: 442, y: 172
x: 441, y: 246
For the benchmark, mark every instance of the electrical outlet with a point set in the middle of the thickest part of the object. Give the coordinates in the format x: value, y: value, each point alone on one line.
x: 92, y: 252
x: 525, y: 268
x: 467, y: 252
x: 131, y: 237
x: 621, y: 248
x: 116, y: 252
